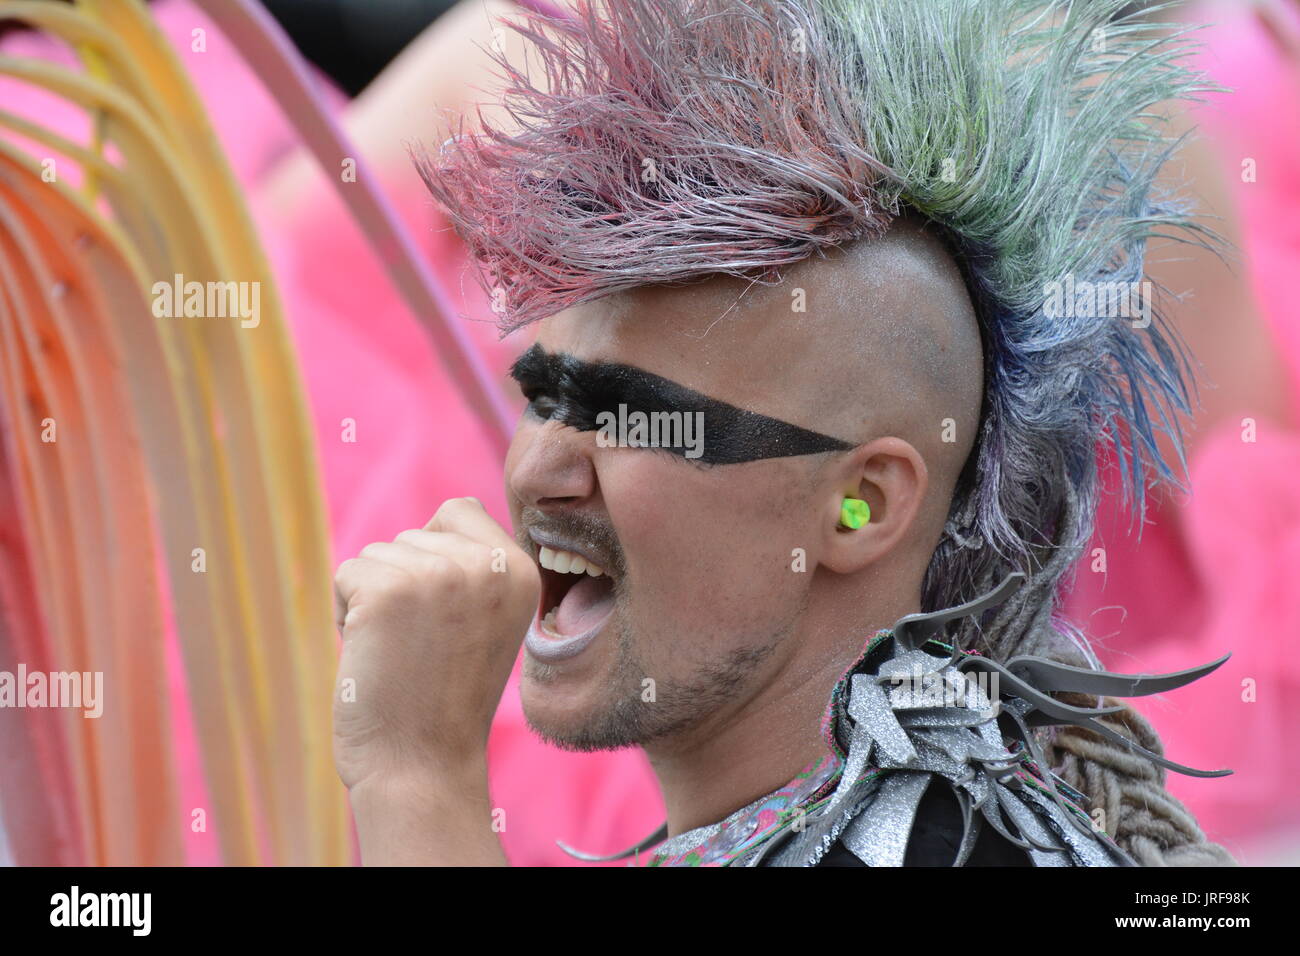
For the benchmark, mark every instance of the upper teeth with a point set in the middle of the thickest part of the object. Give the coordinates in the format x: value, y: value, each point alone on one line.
x: 566, y: 562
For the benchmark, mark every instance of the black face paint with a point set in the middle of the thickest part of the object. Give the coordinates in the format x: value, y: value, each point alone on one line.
x: 588, y: 395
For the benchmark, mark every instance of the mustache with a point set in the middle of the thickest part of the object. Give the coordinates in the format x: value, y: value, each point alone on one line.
x: 587, y: 530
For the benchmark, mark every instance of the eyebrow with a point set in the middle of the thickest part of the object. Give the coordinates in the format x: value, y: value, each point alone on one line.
x: 582, y: 390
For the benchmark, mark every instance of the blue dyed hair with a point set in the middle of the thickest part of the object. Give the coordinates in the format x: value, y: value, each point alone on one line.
x: 1036, y: 117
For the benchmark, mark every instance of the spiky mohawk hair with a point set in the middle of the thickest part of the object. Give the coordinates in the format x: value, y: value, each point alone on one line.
x: 677, y: 139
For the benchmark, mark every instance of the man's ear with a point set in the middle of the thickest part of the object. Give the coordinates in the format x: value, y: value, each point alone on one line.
x: 890, y: 476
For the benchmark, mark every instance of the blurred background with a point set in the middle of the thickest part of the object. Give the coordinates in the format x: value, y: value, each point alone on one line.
x: 173, y: 501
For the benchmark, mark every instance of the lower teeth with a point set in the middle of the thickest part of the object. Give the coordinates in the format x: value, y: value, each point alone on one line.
x: 548, y: 621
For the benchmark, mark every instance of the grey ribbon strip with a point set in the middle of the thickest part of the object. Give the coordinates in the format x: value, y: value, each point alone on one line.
x: 1031, y: 744
x: 641, y: 847
x: 1063, y: 678
x: 1044, y: 851
x: 1049, y: 675
x: 878, y: 836
x: 808, y: 848
x: 1090, y: 851
x: 869, y: 707
x: 970, y: 826
x: 914, y: 630
x: 1047, y: 705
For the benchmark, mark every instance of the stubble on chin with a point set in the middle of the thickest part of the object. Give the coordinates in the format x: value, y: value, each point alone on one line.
x: 623, y: 717
x: 613, y: 723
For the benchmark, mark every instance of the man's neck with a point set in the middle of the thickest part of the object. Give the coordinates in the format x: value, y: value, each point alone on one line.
x: 735, y: 759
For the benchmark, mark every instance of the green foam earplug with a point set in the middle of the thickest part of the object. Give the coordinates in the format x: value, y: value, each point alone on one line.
x: 854, y: 513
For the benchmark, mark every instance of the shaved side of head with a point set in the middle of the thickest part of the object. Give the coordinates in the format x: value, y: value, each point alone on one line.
x: 906, y: 349
x: 888, y: 344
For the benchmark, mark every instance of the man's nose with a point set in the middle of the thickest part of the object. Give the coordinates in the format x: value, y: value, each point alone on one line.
x: 554, y: 465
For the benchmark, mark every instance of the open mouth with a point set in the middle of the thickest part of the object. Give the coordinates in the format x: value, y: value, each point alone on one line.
x: 577, y: 595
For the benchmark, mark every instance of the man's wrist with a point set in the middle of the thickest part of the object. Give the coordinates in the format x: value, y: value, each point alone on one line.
x: 436, y: 816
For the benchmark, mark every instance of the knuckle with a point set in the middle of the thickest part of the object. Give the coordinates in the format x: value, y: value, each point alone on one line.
x: 448, y: 575
x: 392, y: 585
x: 345, y: 574
x: 410, y: 536
x: 454, y: 506
x: 480, y: 556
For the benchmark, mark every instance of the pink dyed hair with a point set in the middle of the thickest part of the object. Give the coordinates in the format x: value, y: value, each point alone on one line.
x: 674, y: 139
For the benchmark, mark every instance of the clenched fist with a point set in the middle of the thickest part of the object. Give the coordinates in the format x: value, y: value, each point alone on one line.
x: 431, y: 624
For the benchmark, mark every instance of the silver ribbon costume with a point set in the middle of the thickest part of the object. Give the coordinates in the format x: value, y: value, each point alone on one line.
x: 909, y: 716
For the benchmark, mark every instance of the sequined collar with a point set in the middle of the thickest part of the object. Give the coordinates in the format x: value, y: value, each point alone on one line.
x: 720, y: 844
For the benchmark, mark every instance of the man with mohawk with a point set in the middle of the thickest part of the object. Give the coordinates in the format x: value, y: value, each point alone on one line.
x: 829, y: 229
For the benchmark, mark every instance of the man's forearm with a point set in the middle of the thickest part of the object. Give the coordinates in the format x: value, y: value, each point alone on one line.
x: 438, y: 820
